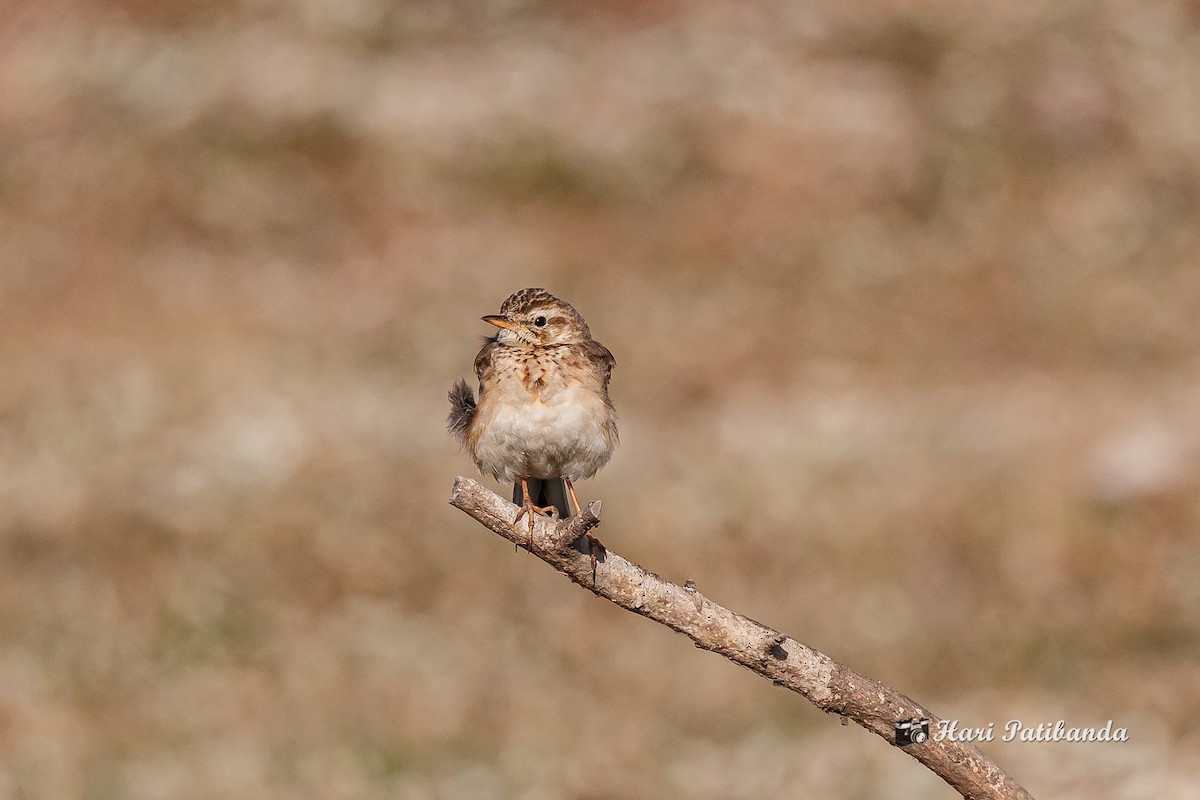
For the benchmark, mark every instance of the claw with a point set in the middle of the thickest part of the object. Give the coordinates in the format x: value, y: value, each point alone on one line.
x: 594, y: 545
x: 528, y: 509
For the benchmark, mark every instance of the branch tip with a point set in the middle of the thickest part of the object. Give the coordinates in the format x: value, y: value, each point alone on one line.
x: 459, y: 483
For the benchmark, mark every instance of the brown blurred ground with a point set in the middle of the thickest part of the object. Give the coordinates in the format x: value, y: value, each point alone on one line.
x: 904, y: 301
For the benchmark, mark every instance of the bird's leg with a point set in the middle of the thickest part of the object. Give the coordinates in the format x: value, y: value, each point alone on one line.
x: 574, y: 499
x: 593, y: 545
x: 529, y: 509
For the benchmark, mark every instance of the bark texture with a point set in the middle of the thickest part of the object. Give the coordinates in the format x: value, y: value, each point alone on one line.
x: 826, y: 683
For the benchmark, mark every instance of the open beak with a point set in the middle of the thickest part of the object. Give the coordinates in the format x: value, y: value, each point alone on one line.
x: 501, y: 322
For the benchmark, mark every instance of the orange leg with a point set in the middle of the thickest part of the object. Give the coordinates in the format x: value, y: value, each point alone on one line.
x: 574, y: 499
x: 593, y: 545
x: 529, y: 509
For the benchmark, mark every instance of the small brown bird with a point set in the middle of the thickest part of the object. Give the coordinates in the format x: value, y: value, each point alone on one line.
x: 543, y: 418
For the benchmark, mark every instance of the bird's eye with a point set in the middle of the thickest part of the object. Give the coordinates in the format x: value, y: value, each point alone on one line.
x: 540, y: 322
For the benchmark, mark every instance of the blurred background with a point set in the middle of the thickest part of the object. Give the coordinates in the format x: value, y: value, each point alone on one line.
x: 904, y: 303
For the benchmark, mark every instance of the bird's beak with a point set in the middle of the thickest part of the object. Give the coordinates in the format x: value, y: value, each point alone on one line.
x: 501, y: 322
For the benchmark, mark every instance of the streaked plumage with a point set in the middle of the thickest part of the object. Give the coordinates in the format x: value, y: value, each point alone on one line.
x: 543, y: 411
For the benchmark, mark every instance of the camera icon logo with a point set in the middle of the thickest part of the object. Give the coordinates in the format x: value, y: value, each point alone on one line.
x: 912, y: 731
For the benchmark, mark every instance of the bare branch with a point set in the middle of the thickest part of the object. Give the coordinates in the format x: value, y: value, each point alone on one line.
x: 827, y: 684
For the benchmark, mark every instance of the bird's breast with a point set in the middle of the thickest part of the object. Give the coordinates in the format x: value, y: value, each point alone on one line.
x: 544, y: 374
x: 539, y: 421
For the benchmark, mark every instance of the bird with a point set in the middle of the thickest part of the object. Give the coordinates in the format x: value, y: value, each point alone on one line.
x: 543, y: 418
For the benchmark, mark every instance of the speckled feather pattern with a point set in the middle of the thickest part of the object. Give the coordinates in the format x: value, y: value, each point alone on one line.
x: 543, y: 409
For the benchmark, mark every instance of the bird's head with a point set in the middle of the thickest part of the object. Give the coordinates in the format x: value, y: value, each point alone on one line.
x: 536, y: 317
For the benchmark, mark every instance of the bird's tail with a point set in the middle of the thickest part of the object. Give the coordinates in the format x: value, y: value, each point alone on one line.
x: 462, y: 410
x: 545, y: 492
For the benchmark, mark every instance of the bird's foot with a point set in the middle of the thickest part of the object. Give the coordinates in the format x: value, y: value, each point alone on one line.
x: 528, y: 510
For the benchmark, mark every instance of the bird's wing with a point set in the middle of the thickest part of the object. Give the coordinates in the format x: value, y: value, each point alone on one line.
x: 462, y: 399
x: 600, y: 358
x: 483, y: 361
